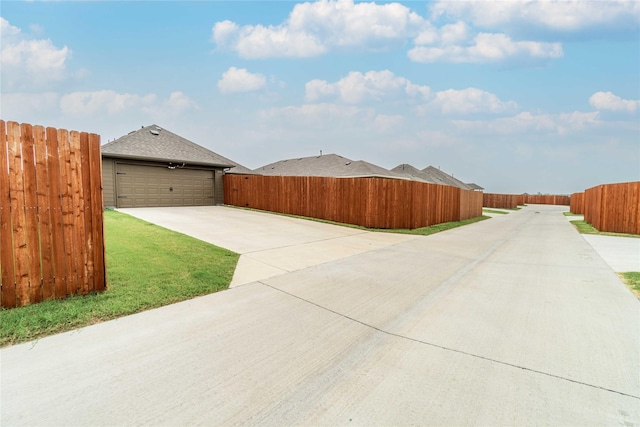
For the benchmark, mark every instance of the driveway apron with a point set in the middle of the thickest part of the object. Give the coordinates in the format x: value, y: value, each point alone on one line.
x: 511, y: 321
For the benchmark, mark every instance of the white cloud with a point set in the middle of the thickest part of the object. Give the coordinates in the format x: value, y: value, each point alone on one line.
x: 7, y: 30
x: 103, y: 101
x: 236, y: 80
x: 387, y: 123
x: 486, y: 47
x: 17, y: 105
x: 557, y: 15
x: 611, y: 102
x: 467, y: 101
x: 30, y: 62
x: 357, y: 87
x: 314, y: 28
x: 526, y: 123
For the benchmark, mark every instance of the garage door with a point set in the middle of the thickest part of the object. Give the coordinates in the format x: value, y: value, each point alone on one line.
x: 147, y: 186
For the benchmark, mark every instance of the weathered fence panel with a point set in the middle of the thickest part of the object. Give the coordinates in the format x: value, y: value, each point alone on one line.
x: 504, y: 201
x: 614, y: 207
x: 370, y: 202
x: 576, y: 203
x: 51, y: 213
x: 547, y: 200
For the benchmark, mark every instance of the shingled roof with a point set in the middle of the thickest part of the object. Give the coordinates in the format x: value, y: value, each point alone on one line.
x: 415, y: 173
x: 444, y: 178
x: 474, y: 186
x: 154, y: 143
x: 331, y: 165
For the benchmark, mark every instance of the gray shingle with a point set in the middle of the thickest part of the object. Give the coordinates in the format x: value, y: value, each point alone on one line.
x: 474, y: 186
x: 415, y: 173
x: 330, y: 165
x: 444, y: 178
x: 158, y: 144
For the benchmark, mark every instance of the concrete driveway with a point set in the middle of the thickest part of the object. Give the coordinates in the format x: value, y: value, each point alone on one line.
x: 511, y: 321
x: 268, y: 244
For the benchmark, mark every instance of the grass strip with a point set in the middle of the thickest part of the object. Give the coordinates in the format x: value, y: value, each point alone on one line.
x: 432, y: 229
x: 147, y: 267
x: 571, y: 214
x: 632, y: 280
x: 585, y: 228
x: 423, y: 231
x: 493, y: 211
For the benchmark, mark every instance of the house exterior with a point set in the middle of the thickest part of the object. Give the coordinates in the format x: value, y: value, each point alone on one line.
x: 414, y: 172
x: 328, y: 165
x: 474, y: 186
x: 435, y: 176
x: 153, y: 167
x: 440, y: 177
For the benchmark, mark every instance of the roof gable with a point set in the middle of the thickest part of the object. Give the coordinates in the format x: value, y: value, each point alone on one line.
x: 444, y: 178
x: 415, y: 173
x: 330, y: 165
x: 157, y: 144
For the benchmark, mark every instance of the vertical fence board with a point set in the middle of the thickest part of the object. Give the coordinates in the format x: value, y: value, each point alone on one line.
x: 97, y: 209
x: 18, y: 217
x: 67, y: 211
x: 55, y: 209
x: 77, y: 198
x: 87, y: 218
x: 31, y: 212
x: 8, y: 298
x: 44, y: 213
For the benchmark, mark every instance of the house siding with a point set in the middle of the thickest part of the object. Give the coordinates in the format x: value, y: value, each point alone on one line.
x: 218, y: 187
x: 108, y: 183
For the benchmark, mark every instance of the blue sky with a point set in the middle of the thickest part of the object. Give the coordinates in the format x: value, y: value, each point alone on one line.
x: 517, y: 96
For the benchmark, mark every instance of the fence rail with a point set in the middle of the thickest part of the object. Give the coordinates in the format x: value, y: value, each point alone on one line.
x: 614, y: 207
x: 51, y: 214
x: 576, y: 205
x: 369, y: 202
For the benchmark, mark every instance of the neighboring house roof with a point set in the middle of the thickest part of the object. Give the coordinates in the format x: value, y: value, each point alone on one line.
x: 474, y: 186
x: 444, y: 178
x: 330, y: 165
x: 414, y: 173
x: 154, y: 143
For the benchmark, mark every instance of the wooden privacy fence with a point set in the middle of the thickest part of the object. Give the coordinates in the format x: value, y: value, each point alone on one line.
x: 577, y: 203
x: 614, y: 207
x: 369, y: 202
x: 504, y: 201
x: 546, y: 200
x: 51, y: 214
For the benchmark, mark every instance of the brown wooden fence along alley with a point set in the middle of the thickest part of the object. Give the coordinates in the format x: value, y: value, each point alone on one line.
x: 369, y: 202
x: 504, y: 201
x: 51, y: 214
x: 577, y: 203
x: 613, y: 207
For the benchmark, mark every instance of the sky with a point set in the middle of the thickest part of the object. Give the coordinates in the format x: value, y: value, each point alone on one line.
x: 516, y: 96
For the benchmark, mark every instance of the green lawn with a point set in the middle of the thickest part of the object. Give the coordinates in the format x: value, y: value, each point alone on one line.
x: 147, y: 267
x: 571, y: 214
x: 585, y: 228
x: 493, y: 211
x: 423, y: 231
x: 432, y: 229
x: 632, y: 280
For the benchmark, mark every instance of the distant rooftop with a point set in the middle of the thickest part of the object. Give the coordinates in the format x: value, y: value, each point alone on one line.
x: 330, y: 165
x: 158, y: 144
x: 444, y: 178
